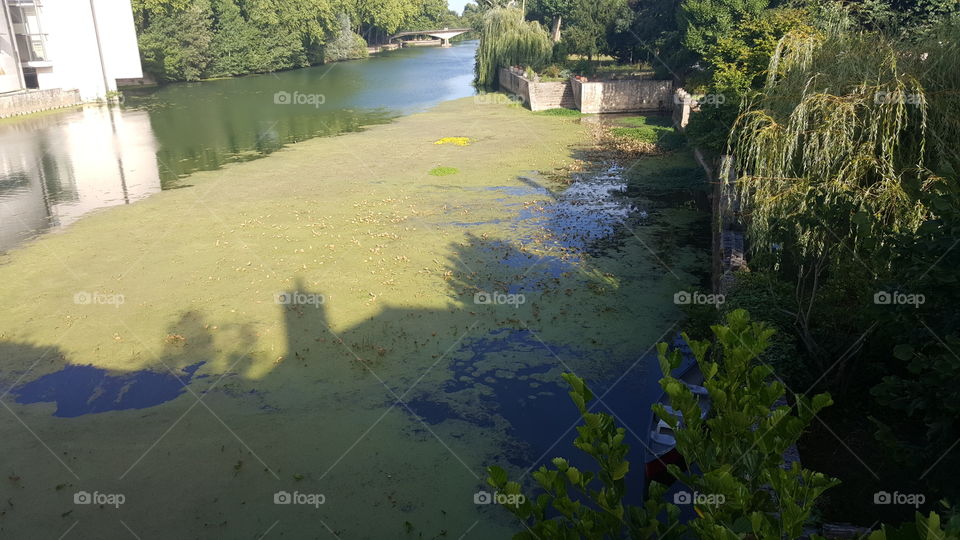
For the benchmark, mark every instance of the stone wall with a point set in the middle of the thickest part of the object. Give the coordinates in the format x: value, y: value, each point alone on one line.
x: 629, y: 95
x: 31, y: 101
x: 538, y: 96
x: 633, y: 95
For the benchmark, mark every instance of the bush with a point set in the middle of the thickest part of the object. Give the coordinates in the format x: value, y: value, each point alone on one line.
x: 738, y: 450
x: 346, y: 45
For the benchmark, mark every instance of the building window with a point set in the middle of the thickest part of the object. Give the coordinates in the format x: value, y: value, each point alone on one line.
x: 30, y: 78
x: 31, y: 41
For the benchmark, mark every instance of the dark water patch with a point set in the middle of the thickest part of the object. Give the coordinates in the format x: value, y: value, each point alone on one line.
x: 522, y: 389
x: 80, y: 390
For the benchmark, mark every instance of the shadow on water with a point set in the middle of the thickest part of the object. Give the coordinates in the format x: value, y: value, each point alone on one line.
x: 78, y: 390
x: 503, y: 378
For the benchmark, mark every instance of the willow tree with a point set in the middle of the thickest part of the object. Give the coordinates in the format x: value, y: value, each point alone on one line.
x: 506, y: 39
x: 833, y: 157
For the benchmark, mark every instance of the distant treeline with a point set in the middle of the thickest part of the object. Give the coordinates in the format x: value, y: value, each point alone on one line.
x: 186, y: 40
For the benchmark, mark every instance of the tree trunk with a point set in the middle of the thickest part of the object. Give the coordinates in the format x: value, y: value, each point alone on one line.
x: 556, y: 29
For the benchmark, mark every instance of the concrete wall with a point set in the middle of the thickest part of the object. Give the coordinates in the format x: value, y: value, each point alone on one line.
x: 551, y: 95
x: 683, y: 104
x: 631, y: 95
x: 538, y: 96
x: 634, y: 95
x: 9, y: 61
x: 88, y: 45
x: 31, y: 101
x: 72, y: 46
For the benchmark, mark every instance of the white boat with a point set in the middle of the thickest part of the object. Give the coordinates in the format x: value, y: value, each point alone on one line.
x: 662, y: 445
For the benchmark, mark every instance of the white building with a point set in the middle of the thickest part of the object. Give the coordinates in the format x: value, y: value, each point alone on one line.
x: 67, y: 44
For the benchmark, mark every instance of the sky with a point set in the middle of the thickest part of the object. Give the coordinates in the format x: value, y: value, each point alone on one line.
x: 457, y: 5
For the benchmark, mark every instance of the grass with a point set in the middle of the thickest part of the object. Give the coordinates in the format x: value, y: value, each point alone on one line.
x: 657, y: 130
x: 443, y: 171
x: 571, y: 113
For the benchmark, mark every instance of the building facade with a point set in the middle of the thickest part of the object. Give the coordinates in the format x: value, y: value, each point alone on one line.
x: 67, y: 44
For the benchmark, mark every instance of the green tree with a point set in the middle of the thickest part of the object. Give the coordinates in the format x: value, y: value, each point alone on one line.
x: 175, y: 45
x: 346, y: 45
x: 507, y: 40
x: 592, y: 23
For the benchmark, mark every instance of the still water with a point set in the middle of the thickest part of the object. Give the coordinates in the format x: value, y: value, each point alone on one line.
x: 56, y: 167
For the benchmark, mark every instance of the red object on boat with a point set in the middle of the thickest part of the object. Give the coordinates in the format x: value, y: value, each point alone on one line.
x: 656, y: 469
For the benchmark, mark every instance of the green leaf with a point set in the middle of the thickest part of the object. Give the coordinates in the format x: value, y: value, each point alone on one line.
x: 903, y: 351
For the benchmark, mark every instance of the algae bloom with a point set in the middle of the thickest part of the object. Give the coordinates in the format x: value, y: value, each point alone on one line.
x: 443, y: 171
x: 458, y: 141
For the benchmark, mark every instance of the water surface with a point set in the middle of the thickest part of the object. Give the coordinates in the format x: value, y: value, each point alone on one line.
x: 55, y: 168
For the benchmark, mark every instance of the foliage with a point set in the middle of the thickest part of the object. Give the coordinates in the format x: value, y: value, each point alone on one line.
x: 923, y: 528
x: 649, y: 129
x: 346, y: 45
x: 739, y: 447
x: 849, y: 182
x: 919, y: 382
x: 174, y: 47
x: 705, y: 22
x: 581, y: 510
x: 195, y: 39
x: 508, y: 40
x: 735, y: 65
x: 592, y: 23
x: 738, y: 450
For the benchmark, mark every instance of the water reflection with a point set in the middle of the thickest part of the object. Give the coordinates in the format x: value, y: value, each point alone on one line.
x: 57, y: 167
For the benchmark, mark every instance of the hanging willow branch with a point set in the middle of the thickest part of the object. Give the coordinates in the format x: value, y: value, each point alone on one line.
x: 508, y: 40
x: 833, y: 151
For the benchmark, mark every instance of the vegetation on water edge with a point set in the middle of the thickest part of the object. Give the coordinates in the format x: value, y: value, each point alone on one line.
x: 657, y: 130
x: 739, y: 487
x: 188, y: 40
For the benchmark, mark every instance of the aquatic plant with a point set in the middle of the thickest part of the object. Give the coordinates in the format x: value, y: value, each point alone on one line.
x: 457, y: 141
x: 508, y: 40
x: 443, y: 171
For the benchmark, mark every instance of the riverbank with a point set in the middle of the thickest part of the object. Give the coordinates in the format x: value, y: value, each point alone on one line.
x: 398, y: 369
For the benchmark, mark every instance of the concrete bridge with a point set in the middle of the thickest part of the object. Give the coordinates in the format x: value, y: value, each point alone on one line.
x: 444, y: 35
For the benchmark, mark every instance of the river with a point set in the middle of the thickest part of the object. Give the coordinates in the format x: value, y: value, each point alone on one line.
x: 337, y: 319
x: 57, y: 167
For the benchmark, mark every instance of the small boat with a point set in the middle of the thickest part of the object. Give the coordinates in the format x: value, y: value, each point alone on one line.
x: 662, y: 446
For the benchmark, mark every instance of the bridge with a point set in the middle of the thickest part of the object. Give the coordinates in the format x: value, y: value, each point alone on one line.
x: 444, y: 35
